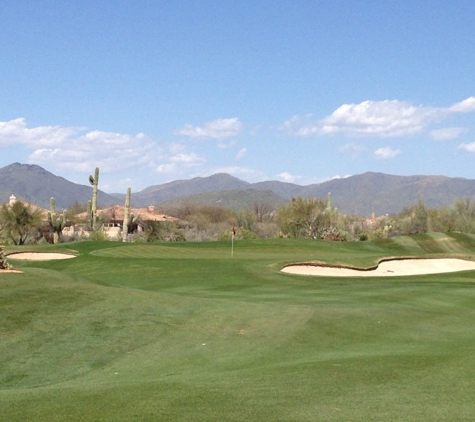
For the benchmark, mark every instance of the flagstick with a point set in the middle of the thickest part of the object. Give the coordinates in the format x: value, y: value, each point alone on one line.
x: 233, y: 233
x: 232, y: 246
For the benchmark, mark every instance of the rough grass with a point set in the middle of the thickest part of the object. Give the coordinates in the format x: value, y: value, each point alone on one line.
x: 178, y: 332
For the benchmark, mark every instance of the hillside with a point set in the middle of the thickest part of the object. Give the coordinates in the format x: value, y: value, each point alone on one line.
x: 215, y: 183
x: 232, y: 199
x: 360, y: 194
x: 33, y: 184
x: 387, y: 194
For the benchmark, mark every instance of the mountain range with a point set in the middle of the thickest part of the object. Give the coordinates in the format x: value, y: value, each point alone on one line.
x: 362, y: 194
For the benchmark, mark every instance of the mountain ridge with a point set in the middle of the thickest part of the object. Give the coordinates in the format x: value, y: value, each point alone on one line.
x: 33, y: 184
x: 363, y: 194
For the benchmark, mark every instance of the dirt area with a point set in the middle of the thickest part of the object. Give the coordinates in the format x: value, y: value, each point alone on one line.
x: 387, y: 268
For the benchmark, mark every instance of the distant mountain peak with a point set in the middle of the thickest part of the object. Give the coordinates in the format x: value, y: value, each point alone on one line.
x: 360, y: 194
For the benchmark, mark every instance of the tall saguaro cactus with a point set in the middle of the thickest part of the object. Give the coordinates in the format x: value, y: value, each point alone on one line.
x: 94, y: 181
x: 129, y: 217
x: 57, y: 222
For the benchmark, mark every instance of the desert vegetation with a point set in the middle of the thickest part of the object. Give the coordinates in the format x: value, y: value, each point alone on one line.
x: 306, y: 218
x: 312, y: 218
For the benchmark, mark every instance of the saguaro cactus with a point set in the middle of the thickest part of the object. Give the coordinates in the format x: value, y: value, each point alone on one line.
x: 57, y: 222
x: 329, y: 202
x: 94, y: 181
x: 89, y: 215
x: 129, y: 217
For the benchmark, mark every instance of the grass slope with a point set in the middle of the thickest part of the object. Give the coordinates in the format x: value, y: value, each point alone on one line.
x: 178, y: 332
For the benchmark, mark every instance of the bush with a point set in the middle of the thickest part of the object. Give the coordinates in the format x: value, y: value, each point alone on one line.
x: 241, y: 233
x: 4, y: 265
x: 98, y: 235
x: 163, y: 231
x: 362, y: 236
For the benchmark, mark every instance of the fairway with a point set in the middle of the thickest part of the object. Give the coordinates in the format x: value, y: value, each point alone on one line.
x: 185, y: 332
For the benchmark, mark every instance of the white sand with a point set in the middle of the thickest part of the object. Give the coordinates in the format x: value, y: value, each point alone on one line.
x: 37, y: 256
x: 387, y: 268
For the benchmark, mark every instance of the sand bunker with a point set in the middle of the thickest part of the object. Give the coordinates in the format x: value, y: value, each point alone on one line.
x: 38, y: 256
x: 387, y: 268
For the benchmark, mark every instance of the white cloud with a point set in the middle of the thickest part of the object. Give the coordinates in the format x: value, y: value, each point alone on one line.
x: 386, y: 153
x: 241, y: 153
x: 112, y: 151
x: 448, y: 133
x: 16, y: 132
x: 176, y: 161
x: 468, y: 147
x: 74, y: 149
x: 73, y: 152
x: 337, y: 176
x: 288, y: 178
x: 187, y: 159
x: 306, y: 180
x: 217, y: 129
x: 465, y: 106
x: 386, y: 118
x: 167, y: 168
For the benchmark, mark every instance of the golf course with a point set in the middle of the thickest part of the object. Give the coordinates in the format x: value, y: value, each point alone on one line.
x: 192, y: 332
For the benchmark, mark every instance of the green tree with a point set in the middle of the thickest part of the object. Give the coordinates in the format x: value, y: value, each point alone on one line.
x: 73, y: 211
x: 19, y: 221
x: 247, y: 219
x: 304, y: 217
x: 464, y: 215
x: 413, y: 219
x: 163, y: 231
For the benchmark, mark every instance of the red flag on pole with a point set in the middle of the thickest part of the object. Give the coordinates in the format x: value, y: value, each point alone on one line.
x: 232, y: 241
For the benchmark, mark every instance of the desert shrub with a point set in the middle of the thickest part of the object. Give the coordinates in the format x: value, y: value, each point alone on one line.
x: 362, y: 236
x: 241, y: 234
x: 304, y: 218
x: 163, y: 231
x: 266, y: 230
x: 98, y: 235
x: 246, y: 219
x: 4, y: 265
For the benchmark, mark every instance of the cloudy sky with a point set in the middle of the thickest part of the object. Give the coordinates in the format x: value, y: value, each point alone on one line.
x: 299, y: 91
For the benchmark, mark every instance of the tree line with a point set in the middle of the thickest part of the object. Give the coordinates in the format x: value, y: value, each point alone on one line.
x: 312, y: 218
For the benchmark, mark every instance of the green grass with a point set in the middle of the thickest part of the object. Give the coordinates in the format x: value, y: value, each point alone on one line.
x: 184, y: 332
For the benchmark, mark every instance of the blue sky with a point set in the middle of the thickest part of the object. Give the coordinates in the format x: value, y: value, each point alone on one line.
x: 298, y: 91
